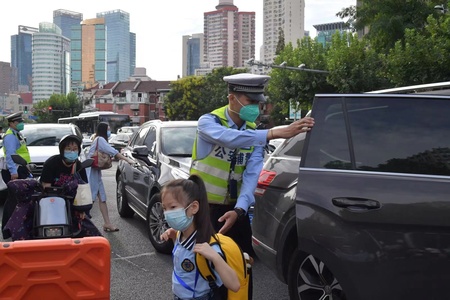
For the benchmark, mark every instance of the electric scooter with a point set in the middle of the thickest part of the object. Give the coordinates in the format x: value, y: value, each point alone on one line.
x: 52, y: 216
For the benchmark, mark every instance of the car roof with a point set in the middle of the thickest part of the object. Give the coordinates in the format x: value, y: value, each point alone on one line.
x: 49, y: 125
x: 172, y: 123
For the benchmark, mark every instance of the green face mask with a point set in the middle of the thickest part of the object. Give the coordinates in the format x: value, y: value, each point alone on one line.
x: 249, y: 112
x: 20, y: 126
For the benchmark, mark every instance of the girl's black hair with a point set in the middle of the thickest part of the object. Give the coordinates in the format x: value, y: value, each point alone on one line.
x: 186, y: 191
x: 102, y: 130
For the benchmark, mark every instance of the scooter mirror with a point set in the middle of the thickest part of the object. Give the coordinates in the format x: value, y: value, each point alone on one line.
x: 19, y: 159
x: 87, y: 163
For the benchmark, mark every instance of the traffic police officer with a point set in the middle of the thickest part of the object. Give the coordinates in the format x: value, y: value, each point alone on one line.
x: 228, y: 154
x: 13, y: 143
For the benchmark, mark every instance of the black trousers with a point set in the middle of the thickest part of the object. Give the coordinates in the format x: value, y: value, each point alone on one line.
x: 10, y: 204
x: 240, y: 232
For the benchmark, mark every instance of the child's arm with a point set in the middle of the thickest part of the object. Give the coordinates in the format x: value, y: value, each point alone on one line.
x: 169, y: 234
x: 226, y: 273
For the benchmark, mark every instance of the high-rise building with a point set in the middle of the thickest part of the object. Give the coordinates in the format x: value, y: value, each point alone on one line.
x: 21, y: 58
x: 121, y: 44
x: 50, y: 62
x: 65, y: 19
x: 132, y: 52
x: 192, y: 53
x: 281, y: 17
x: 5, y: 77
x: 325, y: 31
x: 88, y: 53
x: 229, y: 36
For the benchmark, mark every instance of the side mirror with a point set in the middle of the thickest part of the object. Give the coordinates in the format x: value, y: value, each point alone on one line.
x: 140, y: 151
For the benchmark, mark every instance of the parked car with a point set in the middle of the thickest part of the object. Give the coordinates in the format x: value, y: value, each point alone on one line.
x: 128, y: 129
x: 371, y: 203
x: 120, y: 140
x: 162, y: 151
x: 43, y: 139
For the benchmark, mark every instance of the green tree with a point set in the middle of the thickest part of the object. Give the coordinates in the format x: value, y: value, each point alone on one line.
x: 193, y: 96
x: 354, y: 67
x: 388, y: 19
x: 281, y: 41
x: 181, y: 103
x: 62, y: 106
x: 423, y: 57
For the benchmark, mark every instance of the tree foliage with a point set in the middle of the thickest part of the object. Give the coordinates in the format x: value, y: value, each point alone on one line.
x: 354, y: 67
x: 62, y: 106
x: 423, y: 57
x: 281, y: 41
x: 193, y: 96
x: 387, y: 20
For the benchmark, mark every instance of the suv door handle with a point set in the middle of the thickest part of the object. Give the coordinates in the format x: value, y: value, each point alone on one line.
x: 352, y: 202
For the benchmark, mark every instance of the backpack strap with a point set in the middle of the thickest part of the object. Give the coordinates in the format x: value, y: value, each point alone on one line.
x: 204, y: 267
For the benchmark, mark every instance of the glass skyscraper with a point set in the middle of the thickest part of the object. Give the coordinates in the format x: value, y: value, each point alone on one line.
x: 192, y: 53
x: 21, y: 57
x: 65, y: 19
x: 88, y: 53
x: 120, y: 45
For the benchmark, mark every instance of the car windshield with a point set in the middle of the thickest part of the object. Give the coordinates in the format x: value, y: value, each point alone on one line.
x: 178, y: 141
x: 44, y: 136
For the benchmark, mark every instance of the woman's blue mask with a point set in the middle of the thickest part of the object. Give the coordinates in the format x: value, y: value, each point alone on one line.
x: 108, y: 133
x: 71, y: 156
x: 177, y: 218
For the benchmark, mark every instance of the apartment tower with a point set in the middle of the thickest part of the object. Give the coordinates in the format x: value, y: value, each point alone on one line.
x: 88, y: 53
x: 229, y: 36
x: 50, y: 62
x: 285, y: 17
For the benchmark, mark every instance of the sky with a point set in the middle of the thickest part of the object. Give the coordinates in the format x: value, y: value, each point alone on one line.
x: 159, y: 25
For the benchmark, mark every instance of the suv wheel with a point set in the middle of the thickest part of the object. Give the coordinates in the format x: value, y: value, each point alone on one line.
x: 157, y: 225
x: 122, y: 202
x: 310, y: 279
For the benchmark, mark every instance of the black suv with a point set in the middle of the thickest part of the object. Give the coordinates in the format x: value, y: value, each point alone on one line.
x: 162, y: 151
x: 371, y: 203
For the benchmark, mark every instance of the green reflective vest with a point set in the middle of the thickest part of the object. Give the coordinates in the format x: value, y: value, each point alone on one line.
x: 215, y: 168
x: 23, y: 150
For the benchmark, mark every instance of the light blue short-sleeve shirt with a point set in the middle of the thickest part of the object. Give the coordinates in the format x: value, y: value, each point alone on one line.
x: 184, y: 267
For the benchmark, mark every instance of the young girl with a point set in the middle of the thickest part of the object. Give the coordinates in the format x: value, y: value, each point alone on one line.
x: 186, y: 211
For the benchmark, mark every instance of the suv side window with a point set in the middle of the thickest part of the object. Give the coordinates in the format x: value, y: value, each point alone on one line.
x: 140, y: 137
x: 399, y: 135
x: 150, y: 141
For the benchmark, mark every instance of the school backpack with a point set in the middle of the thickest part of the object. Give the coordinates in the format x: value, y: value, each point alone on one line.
x: 236, y: 259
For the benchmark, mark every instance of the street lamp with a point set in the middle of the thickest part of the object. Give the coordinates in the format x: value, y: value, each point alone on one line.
x: 283, y: 65
x: 441, y: 8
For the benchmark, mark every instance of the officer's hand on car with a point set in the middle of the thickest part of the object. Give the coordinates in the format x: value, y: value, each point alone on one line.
x: 229, y: 218
x: 299, y: 126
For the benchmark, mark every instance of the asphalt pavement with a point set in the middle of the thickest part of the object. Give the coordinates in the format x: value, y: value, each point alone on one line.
x: 139, y: 272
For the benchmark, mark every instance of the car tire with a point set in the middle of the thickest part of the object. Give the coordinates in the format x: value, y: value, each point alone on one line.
x: 122, y: 202
x: 310, y: 279
x: 157, y: 225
